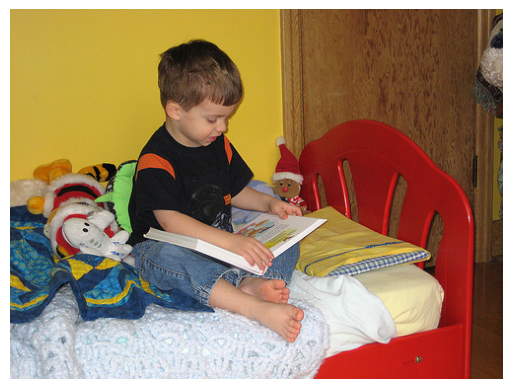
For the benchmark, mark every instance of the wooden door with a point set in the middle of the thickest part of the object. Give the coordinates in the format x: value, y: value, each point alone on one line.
x: 411, y: 69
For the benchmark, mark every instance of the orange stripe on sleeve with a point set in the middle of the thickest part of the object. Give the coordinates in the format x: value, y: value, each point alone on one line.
x: 153, y: 161
x: 227, y: 146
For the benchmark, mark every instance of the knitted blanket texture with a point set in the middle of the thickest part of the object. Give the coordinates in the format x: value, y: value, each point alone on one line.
x: 164, y: 343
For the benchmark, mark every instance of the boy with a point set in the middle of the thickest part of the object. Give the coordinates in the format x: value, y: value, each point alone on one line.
x: 188, y: 176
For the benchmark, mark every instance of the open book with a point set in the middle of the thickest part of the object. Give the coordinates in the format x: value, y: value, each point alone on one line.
x: 275, y: 233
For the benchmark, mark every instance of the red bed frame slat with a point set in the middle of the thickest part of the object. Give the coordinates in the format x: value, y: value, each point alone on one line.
x: 377, y: 155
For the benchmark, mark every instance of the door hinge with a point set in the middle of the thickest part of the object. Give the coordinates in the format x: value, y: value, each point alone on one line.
x: 475, y: 171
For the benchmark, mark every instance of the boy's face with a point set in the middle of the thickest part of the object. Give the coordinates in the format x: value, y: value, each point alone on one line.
x: 200, y: 125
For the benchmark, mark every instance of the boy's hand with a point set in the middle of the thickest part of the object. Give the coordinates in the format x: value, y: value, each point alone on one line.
x: 253, y: 200
x: 283, y: 209
x: 253, y: 251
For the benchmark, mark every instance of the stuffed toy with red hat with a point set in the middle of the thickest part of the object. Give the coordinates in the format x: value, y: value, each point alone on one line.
x: 287, y: 179
x: 76, y: 223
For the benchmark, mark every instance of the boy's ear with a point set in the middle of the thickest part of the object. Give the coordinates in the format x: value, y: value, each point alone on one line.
x: 172, y: 109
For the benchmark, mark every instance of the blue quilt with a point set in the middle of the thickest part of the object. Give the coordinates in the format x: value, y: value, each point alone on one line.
x: 102, y: 286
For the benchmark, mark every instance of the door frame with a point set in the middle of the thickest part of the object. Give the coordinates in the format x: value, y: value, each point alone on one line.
x: 293, y: 120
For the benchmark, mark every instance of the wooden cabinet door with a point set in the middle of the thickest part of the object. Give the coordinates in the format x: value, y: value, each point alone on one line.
x: 411, y: 69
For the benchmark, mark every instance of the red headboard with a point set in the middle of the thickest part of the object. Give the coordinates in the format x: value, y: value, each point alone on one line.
x: 378, y: 155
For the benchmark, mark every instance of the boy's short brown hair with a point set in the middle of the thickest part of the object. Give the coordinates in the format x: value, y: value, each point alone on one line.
x: 195, y: 71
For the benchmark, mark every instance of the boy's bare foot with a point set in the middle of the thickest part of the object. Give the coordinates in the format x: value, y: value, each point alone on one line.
x: 269, y: 290
x: 284, y: 319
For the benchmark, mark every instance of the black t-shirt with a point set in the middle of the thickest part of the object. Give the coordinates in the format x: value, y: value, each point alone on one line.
x: 196, y: 181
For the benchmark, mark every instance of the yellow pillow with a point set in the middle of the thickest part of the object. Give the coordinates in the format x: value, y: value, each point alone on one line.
x: 342, y: 246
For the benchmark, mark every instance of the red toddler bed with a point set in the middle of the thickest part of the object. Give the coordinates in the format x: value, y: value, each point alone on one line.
x: 378, y: 155
x: 83, y: 332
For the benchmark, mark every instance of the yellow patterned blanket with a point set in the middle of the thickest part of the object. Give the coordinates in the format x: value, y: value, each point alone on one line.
x: 342, y: 246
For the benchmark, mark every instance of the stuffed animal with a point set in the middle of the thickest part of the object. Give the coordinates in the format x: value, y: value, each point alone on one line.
x: 53, y: 170
x: 491, y: 63
x: 76, y: 223
x: 93, y: 234
x: 488, y: 87
x: 287, y: 179
x: 488, y: 83
x: 118, y: 192
x: 23, y: 190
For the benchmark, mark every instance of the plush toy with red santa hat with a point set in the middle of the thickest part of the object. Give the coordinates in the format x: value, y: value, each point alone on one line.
x: 287, y: 179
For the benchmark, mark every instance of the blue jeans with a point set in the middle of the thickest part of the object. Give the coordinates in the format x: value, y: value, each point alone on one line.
x: 168, y: 266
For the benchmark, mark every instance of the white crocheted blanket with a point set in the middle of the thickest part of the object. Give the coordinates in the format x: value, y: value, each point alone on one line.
x: 164, y: 343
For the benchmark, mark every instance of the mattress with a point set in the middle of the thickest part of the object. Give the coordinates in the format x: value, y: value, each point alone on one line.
x: 375, y: 306
x: 413, y: 297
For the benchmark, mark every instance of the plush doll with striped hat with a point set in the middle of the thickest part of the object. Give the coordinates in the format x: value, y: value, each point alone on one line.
x: 76, y: 223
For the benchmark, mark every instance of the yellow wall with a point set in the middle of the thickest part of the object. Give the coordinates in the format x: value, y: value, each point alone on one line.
x: 84, y: 82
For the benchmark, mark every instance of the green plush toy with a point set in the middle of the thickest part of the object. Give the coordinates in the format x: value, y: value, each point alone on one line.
x: 118, y: 192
